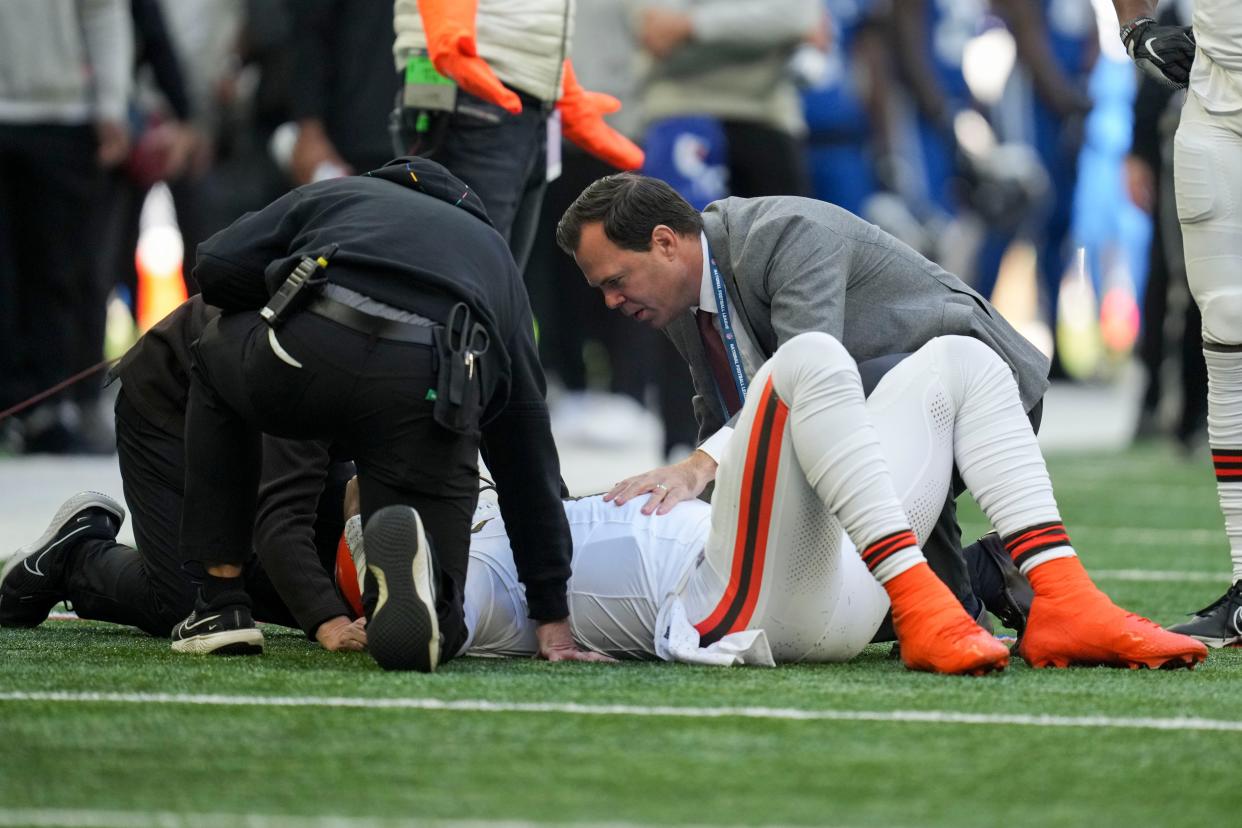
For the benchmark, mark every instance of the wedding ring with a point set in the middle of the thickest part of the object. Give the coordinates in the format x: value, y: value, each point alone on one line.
x: 661, y: 486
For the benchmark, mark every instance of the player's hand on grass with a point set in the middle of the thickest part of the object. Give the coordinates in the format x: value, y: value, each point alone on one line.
x: 556, y: 643
x: 340, y: 634
x: 668, y: 485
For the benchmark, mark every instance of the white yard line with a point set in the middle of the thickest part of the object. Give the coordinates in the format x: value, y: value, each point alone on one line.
x: 89, y: 818
x: 92, y: 818
x: 1179, y: 723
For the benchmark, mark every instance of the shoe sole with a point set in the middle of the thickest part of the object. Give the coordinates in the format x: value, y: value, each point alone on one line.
x: 403, y: 632
x: 1173, y: 661
x: 1187, y: 661
x: 79, y: 502
x: 230, y: 642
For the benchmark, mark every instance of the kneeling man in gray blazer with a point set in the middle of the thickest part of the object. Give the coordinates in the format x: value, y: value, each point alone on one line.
x: 731, y: 285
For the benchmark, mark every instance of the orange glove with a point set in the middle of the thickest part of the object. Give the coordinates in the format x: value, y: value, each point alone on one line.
x: 450, y: 29
x: 582, y: 121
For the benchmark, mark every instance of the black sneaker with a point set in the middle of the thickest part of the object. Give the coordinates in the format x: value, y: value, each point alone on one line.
x: 1219, y: 624
x: 33, y: 579
x: 403, y: 631
x: 223, y: 627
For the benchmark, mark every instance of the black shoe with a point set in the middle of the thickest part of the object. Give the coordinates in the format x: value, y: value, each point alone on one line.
x: 1004, y: 590
x: 222, y: 627
x: 1219, y: 624
x: 33, y: 579
x: 403, y: 631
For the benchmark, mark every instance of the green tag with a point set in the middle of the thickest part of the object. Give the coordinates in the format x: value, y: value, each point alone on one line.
x: 431, y: 395
x: 420, y: 70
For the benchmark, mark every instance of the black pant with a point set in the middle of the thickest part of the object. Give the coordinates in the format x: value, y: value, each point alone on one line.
x: 49, y: 183
x: 147, y: 587
x: 503, y: 158
x: 764, y: 161
x: 366, y: 394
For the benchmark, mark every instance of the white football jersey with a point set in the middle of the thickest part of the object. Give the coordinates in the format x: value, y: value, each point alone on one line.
x: 1217, y: 81
x: 626, y: 565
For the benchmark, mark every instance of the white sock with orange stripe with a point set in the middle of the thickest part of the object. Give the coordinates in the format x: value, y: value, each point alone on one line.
x: 1225, y: 437
x: 839, y: 450
x: 998, y: 455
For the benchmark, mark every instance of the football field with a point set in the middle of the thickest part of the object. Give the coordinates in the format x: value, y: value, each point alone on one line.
x: 102, y: 726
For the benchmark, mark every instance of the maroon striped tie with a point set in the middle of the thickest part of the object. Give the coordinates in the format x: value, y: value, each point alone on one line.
x: 714, y: 348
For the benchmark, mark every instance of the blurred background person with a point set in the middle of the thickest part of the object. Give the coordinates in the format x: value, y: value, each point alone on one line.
x: 722, y: 115
x: 1170, y: 347
x: 65, y: 77
x: 516, y: 95
x: 1045, y: 108
x: 341, y: 86
x: 603, y: 372
x: 164, y: 146
x: 845, y: 102
x: 929, y: 39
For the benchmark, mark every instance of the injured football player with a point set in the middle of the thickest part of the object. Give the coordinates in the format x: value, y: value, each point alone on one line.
x: 813, y: 535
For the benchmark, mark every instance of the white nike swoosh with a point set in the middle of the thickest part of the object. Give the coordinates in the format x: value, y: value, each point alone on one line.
x: 38, y: 568
x: 1151, y: 51
x: 199, y: 622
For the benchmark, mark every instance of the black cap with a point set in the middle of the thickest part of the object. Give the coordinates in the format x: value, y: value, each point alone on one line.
x: 435, y: 180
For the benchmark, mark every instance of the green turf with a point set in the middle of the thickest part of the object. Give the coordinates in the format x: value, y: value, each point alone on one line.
x: 558, y: 767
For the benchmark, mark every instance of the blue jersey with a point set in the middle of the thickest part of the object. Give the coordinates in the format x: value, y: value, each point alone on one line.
x: 833, y: 109
x: 1071, y: 32
x: 950, y: 25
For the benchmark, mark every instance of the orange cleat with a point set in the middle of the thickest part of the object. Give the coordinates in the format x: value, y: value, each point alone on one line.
x: 935, y: 633
x: 1073, y: 623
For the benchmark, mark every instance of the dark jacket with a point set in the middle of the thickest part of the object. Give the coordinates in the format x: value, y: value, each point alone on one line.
x: 155, y: 379
x: 413, y: 236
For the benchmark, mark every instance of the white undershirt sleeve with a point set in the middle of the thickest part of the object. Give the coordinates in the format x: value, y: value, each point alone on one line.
x: 714, y: 446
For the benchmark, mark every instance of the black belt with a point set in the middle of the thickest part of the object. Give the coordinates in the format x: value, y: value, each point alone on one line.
x: 375, y: 326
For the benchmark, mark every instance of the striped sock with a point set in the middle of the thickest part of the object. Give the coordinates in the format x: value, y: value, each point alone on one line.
x: 1036, y: 544
x: 892, y: 555
x: 1228, y: 464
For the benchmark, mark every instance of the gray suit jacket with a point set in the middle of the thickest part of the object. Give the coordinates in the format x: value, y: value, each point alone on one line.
x: 792, y: 265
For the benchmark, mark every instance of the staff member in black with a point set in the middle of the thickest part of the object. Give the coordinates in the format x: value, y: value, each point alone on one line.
x: 384, y: 313
x: 288, y: 575
x: 299, y: 518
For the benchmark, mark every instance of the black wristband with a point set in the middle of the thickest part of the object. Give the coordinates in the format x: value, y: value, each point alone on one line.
x: 1129, y: 28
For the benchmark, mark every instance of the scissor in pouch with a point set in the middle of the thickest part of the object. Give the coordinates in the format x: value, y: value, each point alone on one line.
x: 459, y: 345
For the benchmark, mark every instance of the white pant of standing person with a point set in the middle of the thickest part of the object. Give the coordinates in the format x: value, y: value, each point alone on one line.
x: 1207, y: 165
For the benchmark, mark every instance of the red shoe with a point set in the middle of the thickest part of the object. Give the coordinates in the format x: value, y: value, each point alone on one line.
x: 935, y: 633
x: 1073, y: 623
